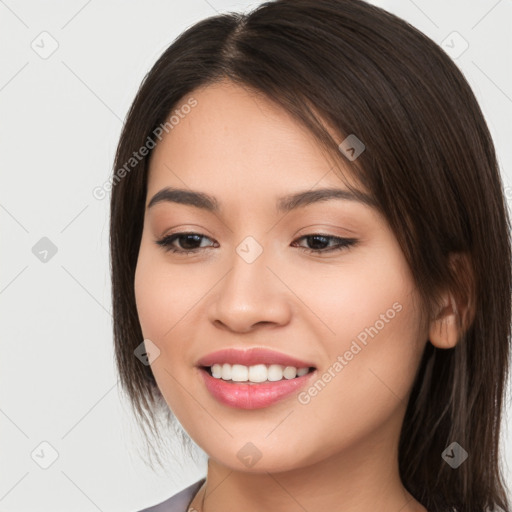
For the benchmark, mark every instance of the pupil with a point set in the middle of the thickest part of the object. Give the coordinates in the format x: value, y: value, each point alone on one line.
x: 186, y: 238
x: 317, y: 237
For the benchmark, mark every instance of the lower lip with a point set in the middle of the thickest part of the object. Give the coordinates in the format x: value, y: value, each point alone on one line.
x: 252, y: 396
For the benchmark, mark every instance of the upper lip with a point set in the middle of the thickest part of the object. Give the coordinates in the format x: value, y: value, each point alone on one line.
x: 252, y: 356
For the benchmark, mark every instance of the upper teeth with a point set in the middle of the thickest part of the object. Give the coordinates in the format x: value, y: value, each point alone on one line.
x: 256, y: 373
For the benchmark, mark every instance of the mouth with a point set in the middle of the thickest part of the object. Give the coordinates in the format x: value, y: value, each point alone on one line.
x: 255, y: 374
x: 254, y: 378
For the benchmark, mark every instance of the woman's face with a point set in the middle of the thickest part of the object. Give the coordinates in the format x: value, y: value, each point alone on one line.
x: 250, y: 282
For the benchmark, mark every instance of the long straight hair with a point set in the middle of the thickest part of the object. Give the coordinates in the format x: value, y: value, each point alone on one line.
x: 431, y: 167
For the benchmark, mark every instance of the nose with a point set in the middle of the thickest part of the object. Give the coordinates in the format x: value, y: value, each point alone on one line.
x: 250, y: 295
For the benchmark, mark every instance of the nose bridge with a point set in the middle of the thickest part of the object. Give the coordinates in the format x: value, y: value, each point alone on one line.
x: 247, y: 283
x: 250, y: 293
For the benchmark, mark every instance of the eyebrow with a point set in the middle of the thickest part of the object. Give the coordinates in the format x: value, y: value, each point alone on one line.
x: 284, y: 204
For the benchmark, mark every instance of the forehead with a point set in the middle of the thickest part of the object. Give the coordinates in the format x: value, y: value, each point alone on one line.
x: 236, y: 139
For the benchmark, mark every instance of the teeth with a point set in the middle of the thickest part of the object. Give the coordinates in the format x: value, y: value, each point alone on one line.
x: 217, y: 371
x: 256, y: 373
x: 226, y: 372
x: 239, y: 373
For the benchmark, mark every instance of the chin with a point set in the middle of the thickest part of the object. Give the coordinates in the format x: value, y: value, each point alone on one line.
x: 259, y: 457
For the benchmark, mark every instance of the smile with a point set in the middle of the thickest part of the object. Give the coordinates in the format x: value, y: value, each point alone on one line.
x: 254, y: 378
x: 256, y: 373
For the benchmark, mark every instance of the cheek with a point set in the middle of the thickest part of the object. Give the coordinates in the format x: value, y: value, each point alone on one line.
x: 163, y: 299
x: 163, y: 295
x: 373, y: 343
x: 380, y: 328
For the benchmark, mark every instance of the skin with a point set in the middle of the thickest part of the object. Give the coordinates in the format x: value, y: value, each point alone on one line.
x: 339, y: 451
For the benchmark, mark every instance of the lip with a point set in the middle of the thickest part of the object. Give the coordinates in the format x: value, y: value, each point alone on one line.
x: 244, y: 395
x: 252, y: 356
x: 253, y: 395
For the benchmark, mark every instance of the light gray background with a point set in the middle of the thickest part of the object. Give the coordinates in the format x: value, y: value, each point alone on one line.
x: 60, y: 121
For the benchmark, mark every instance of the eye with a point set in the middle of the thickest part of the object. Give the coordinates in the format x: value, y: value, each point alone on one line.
x: 190, y: 243
x: 319, y: 242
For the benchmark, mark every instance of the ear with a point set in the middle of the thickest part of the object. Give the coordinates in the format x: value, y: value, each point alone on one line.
x: 444, y: 331
x: 457, y: 312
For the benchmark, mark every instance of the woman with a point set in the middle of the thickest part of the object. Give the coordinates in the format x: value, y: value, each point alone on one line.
x: 311, y: 264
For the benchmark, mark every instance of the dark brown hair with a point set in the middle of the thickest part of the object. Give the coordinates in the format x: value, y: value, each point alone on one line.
x: 431, y: 167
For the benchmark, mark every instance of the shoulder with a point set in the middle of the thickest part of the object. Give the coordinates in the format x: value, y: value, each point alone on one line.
x: 179, y: 502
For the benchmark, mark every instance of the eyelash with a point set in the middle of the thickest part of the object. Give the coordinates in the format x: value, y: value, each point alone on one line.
x: 343, y: 243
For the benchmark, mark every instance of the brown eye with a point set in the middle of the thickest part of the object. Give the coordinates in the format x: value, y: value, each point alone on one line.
x: 319, y: 243
x: 188, y: 242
